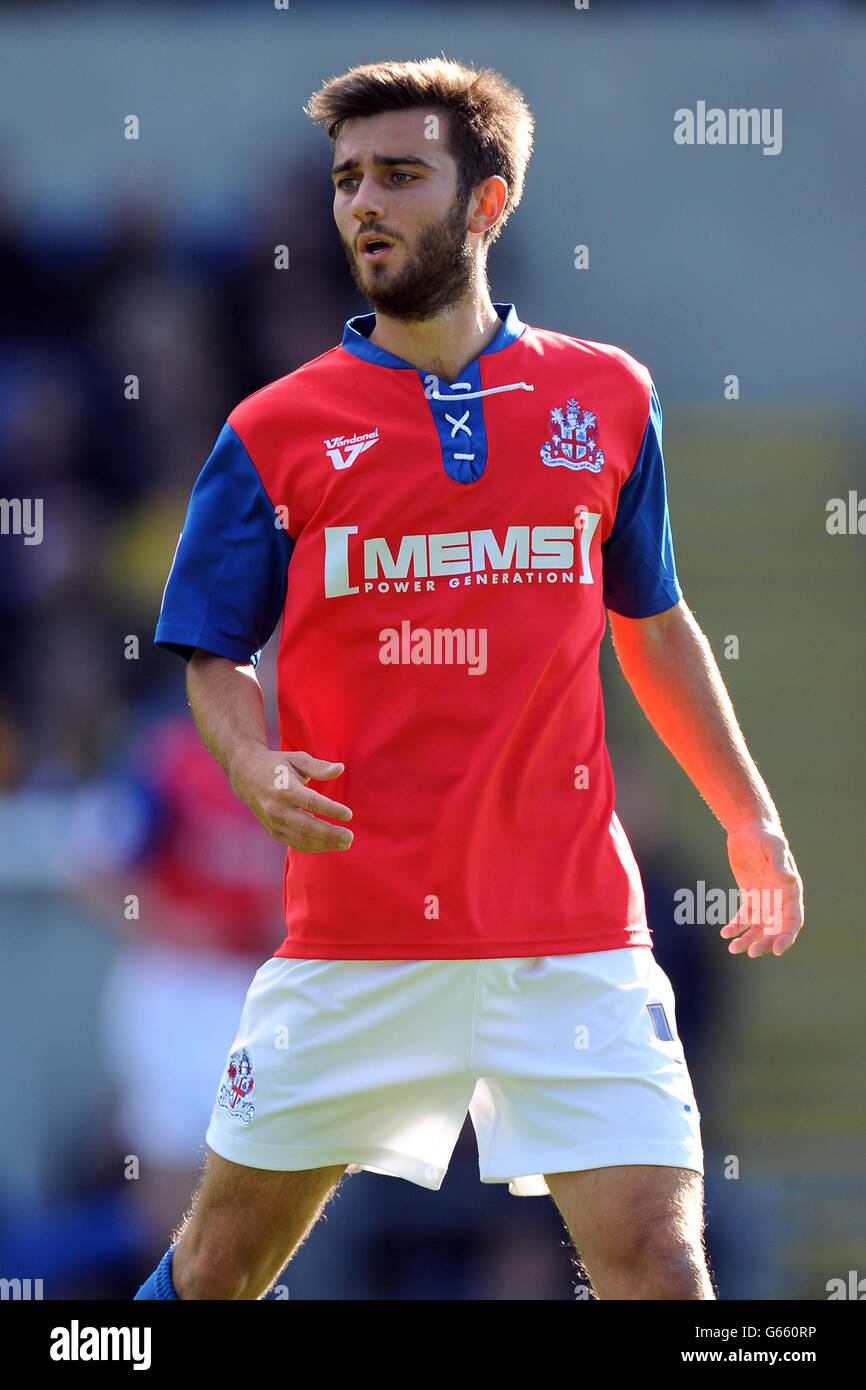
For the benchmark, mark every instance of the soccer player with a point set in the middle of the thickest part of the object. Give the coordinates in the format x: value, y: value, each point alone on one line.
x: 442, y: 509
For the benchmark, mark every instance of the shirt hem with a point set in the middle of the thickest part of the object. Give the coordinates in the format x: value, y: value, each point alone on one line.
x: 472, y: 950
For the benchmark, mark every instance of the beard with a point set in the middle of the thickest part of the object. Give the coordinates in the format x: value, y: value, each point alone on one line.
x: 435, y: 276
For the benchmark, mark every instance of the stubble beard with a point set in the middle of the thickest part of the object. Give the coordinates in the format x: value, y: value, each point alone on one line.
x: 439, y: 273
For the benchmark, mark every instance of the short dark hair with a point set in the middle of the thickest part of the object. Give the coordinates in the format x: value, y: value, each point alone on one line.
x: 490, y: 128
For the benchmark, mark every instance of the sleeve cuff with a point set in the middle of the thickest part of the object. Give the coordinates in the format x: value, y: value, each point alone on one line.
x: 184, y: 643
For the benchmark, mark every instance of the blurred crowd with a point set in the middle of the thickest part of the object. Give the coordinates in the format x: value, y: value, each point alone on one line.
x: 137, y: 896
x: 121, y: 353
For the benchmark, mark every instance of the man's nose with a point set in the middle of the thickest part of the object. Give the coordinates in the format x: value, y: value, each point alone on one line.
x: 368, y: 201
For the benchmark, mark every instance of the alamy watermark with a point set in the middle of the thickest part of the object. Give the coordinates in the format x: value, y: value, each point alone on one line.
x: 22, y: 516
x: 20, y: 1290
x: 438, y: 646
x: 846, y: 518
x: 853, y: 1287
x: 715, y: 907
x: 77, y: 1343
x: 738, y: 125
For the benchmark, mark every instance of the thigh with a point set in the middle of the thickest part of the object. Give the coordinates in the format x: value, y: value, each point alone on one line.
x: 251, y: 1219
x: 616, y: 1215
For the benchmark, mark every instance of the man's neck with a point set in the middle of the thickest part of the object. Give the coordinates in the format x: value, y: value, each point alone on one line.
x: 442, y: 345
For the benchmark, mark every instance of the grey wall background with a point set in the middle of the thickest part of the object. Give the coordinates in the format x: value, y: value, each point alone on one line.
x: 703, y: 260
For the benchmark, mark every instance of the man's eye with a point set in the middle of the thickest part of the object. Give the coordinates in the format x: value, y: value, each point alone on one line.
x: 397, y: 174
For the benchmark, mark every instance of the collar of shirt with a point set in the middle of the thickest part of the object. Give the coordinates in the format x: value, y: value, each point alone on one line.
x: 357, y: 331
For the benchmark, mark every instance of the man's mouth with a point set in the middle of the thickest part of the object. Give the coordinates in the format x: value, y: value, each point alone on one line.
x: 375, y: 248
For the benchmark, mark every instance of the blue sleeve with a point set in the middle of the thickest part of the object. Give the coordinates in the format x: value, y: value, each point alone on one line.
x: 639, y: 572
x: 227, y: 584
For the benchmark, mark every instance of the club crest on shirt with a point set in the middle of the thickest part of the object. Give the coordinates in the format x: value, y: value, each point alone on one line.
x: 235, y: 1090
x: 572, y: 439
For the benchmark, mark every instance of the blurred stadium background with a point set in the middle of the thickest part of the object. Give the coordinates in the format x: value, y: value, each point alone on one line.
x: 154, y: 257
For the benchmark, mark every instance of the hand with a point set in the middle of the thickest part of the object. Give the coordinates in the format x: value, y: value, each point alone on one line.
x: 274, y: 786
x: 771, y: 913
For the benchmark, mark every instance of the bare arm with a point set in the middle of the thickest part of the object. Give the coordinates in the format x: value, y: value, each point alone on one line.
x: 228, y: 708
x: 669, y: 665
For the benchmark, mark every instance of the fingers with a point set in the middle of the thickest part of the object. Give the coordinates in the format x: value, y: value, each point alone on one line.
x: 761, y: 908
x: 757, y: 943
x: 754, y: 942
x: 307, y: 769
x: 290, y: 813
x: 300, y: 831
x: 317, y: 803
x: 759, y: 928
x: 301, y: 768
x: 315, y: 769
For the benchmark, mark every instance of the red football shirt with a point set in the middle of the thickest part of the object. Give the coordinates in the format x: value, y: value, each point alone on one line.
x: 441, y: 556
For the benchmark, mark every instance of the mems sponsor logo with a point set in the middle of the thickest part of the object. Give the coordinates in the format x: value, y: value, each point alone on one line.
x: 416, y: 563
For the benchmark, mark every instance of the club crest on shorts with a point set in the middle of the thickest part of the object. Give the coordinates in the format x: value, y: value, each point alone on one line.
x: 572, y: 439
x: 235, y: 1090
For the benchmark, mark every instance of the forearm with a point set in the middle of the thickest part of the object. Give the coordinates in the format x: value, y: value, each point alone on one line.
x: 228, y: 708
x: 676, y: 680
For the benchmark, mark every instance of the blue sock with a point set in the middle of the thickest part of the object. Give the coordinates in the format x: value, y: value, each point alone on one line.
x: 158, y: 1284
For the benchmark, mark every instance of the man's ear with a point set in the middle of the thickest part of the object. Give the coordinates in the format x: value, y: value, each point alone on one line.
x: 489, y: 200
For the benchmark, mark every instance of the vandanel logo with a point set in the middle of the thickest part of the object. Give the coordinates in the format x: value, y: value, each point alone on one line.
x: 344, y: 448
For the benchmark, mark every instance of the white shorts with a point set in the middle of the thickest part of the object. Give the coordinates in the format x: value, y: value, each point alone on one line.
x: 563, y: 1062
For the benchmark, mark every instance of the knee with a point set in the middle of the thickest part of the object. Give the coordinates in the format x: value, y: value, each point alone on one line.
x: 654, y: 1261
x: 208, y: 1273
x: 675, y: 1269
